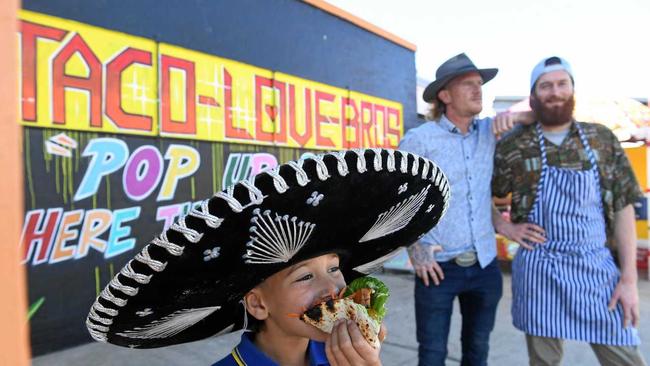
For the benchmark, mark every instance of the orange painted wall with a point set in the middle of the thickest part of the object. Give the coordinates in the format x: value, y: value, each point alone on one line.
x: 14, y: 346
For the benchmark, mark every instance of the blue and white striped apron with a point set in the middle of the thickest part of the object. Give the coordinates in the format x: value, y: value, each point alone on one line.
x: 561, y: 289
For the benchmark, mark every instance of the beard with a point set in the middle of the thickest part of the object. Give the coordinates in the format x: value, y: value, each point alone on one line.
x: 553, y: 116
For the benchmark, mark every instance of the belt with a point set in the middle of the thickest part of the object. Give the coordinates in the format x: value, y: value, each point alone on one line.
x: 466, y: 259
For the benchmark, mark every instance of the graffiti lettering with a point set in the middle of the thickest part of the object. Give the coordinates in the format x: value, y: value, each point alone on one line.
x: 143, y: 169
x: 118, y: 87
x: 244, y: 166
x: 56, y: 236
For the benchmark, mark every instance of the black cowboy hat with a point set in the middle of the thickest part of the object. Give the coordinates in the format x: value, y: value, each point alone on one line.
x: 455, y: 66
x: 188, y: 283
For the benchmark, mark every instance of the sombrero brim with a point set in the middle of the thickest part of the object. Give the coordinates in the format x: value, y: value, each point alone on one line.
x: 431, y: 91
x: 187, y: 283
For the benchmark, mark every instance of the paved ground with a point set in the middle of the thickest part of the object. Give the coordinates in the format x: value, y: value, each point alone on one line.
x: 400, y: 348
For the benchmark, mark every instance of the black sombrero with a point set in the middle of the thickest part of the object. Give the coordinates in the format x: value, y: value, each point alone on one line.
x: 187, y: 284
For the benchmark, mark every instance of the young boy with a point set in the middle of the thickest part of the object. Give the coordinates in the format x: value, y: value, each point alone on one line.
x: 270, y: 247
x: 285, y: 340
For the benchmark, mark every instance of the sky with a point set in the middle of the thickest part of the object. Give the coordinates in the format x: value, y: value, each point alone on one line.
x: 607, y: 43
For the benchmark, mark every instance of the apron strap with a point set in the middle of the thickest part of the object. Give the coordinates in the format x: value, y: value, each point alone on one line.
x: 588, y: 149
x: 542, y: 148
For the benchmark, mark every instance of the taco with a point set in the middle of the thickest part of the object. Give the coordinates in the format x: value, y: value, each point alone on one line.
x: 363, y: 301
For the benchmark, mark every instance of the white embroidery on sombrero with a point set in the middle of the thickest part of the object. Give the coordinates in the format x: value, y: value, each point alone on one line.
x: 341, y: 165
x: 434, y: 171
x: 405, y: 162
x: 210, y: 220
x: 108, y: 296
x: 210, y: 254
x: 163, y: 242
x: 361, y: 160
x: 170, y: 325
x: 301, y: 174
x: 397, y: 217
x: 144, y: 257
x: 228, y: 196
x: 430, y: 208
x: 191, y: 235
x: 401, y: 189
x: 99, y: 336
x: 99, y: 307
x: 93, y: 315
x: 445, y: 188
x: 96, y: 327
x: 375, y: 265
x: 425, y: 169
x: 144, y: 312
x: 416, y: 165
x: 128, y: 272
x: 278, y: 182
x: 254, y: 194
x: 321, y: 168
x: 315, y: 198
x: 131, y: 291
x: 277, y: 240
x: 438, y: 178
x: 377, y: 160
x: 390, y: 163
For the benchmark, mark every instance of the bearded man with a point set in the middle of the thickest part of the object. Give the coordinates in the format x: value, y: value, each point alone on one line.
x: 573, y: 180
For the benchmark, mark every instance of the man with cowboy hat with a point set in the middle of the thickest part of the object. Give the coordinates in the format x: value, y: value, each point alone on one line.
x: 465, y: 265
x: 269, y: 247
x: 573, y: 179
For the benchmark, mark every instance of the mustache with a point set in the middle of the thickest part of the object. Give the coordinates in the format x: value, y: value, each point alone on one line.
x: 552, y: 116
x: 555, y: 99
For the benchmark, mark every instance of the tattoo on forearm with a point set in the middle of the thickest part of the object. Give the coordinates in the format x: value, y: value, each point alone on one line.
x: 420, y: 254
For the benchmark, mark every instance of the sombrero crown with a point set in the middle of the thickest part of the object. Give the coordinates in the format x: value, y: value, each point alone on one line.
x: 187, y: 283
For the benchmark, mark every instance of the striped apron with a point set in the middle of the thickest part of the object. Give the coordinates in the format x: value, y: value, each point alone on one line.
x: 561, y: 289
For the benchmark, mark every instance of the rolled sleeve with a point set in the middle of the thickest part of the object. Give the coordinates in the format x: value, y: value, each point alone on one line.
x: 501, y: 175
x: 625, y: 187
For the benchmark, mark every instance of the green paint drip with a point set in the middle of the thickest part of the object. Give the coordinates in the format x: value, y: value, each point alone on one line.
x: 64, y: 179
x: 34, y: 307
x: 108, y: 193
x: 28, y: 168
x: 96, y: 281
x: 77, y: 158
x: 217, y: 166
x: 56, y: 175
x: 111, y: 270
x: 192, y: 186
x: 70, y: 181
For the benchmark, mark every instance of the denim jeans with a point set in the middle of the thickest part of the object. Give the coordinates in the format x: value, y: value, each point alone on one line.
x: 479, y: 291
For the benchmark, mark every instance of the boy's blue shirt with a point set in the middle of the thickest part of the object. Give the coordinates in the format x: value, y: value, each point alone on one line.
x: 246, y: 353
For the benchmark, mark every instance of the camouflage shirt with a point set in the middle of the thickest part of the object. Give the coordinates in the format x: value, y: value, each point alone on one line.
x: 517, y: 168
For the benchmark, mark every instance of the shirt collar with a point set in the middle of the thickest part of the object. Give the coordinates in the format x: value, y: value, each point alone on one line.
x: 251, y: 355
x: 573, y: 128
x: 451, y: 127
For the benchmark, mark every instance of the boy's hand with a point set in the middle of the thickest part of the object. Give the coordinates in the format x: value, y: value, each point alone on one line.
x: 346, y: 346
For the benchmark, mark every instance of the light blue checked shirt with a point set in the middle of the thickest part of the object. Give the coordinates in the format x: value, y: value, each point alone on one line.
x: 467, y: 160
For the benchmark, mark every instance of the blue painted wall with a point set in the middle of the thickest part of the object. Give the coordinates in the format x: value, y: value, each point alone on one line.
x: 282, y: 35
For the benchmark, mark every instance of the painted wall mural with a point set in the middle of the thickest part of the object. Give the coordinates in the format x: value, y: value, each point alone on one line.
x: 80, y: 77
x: 124, y: 134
